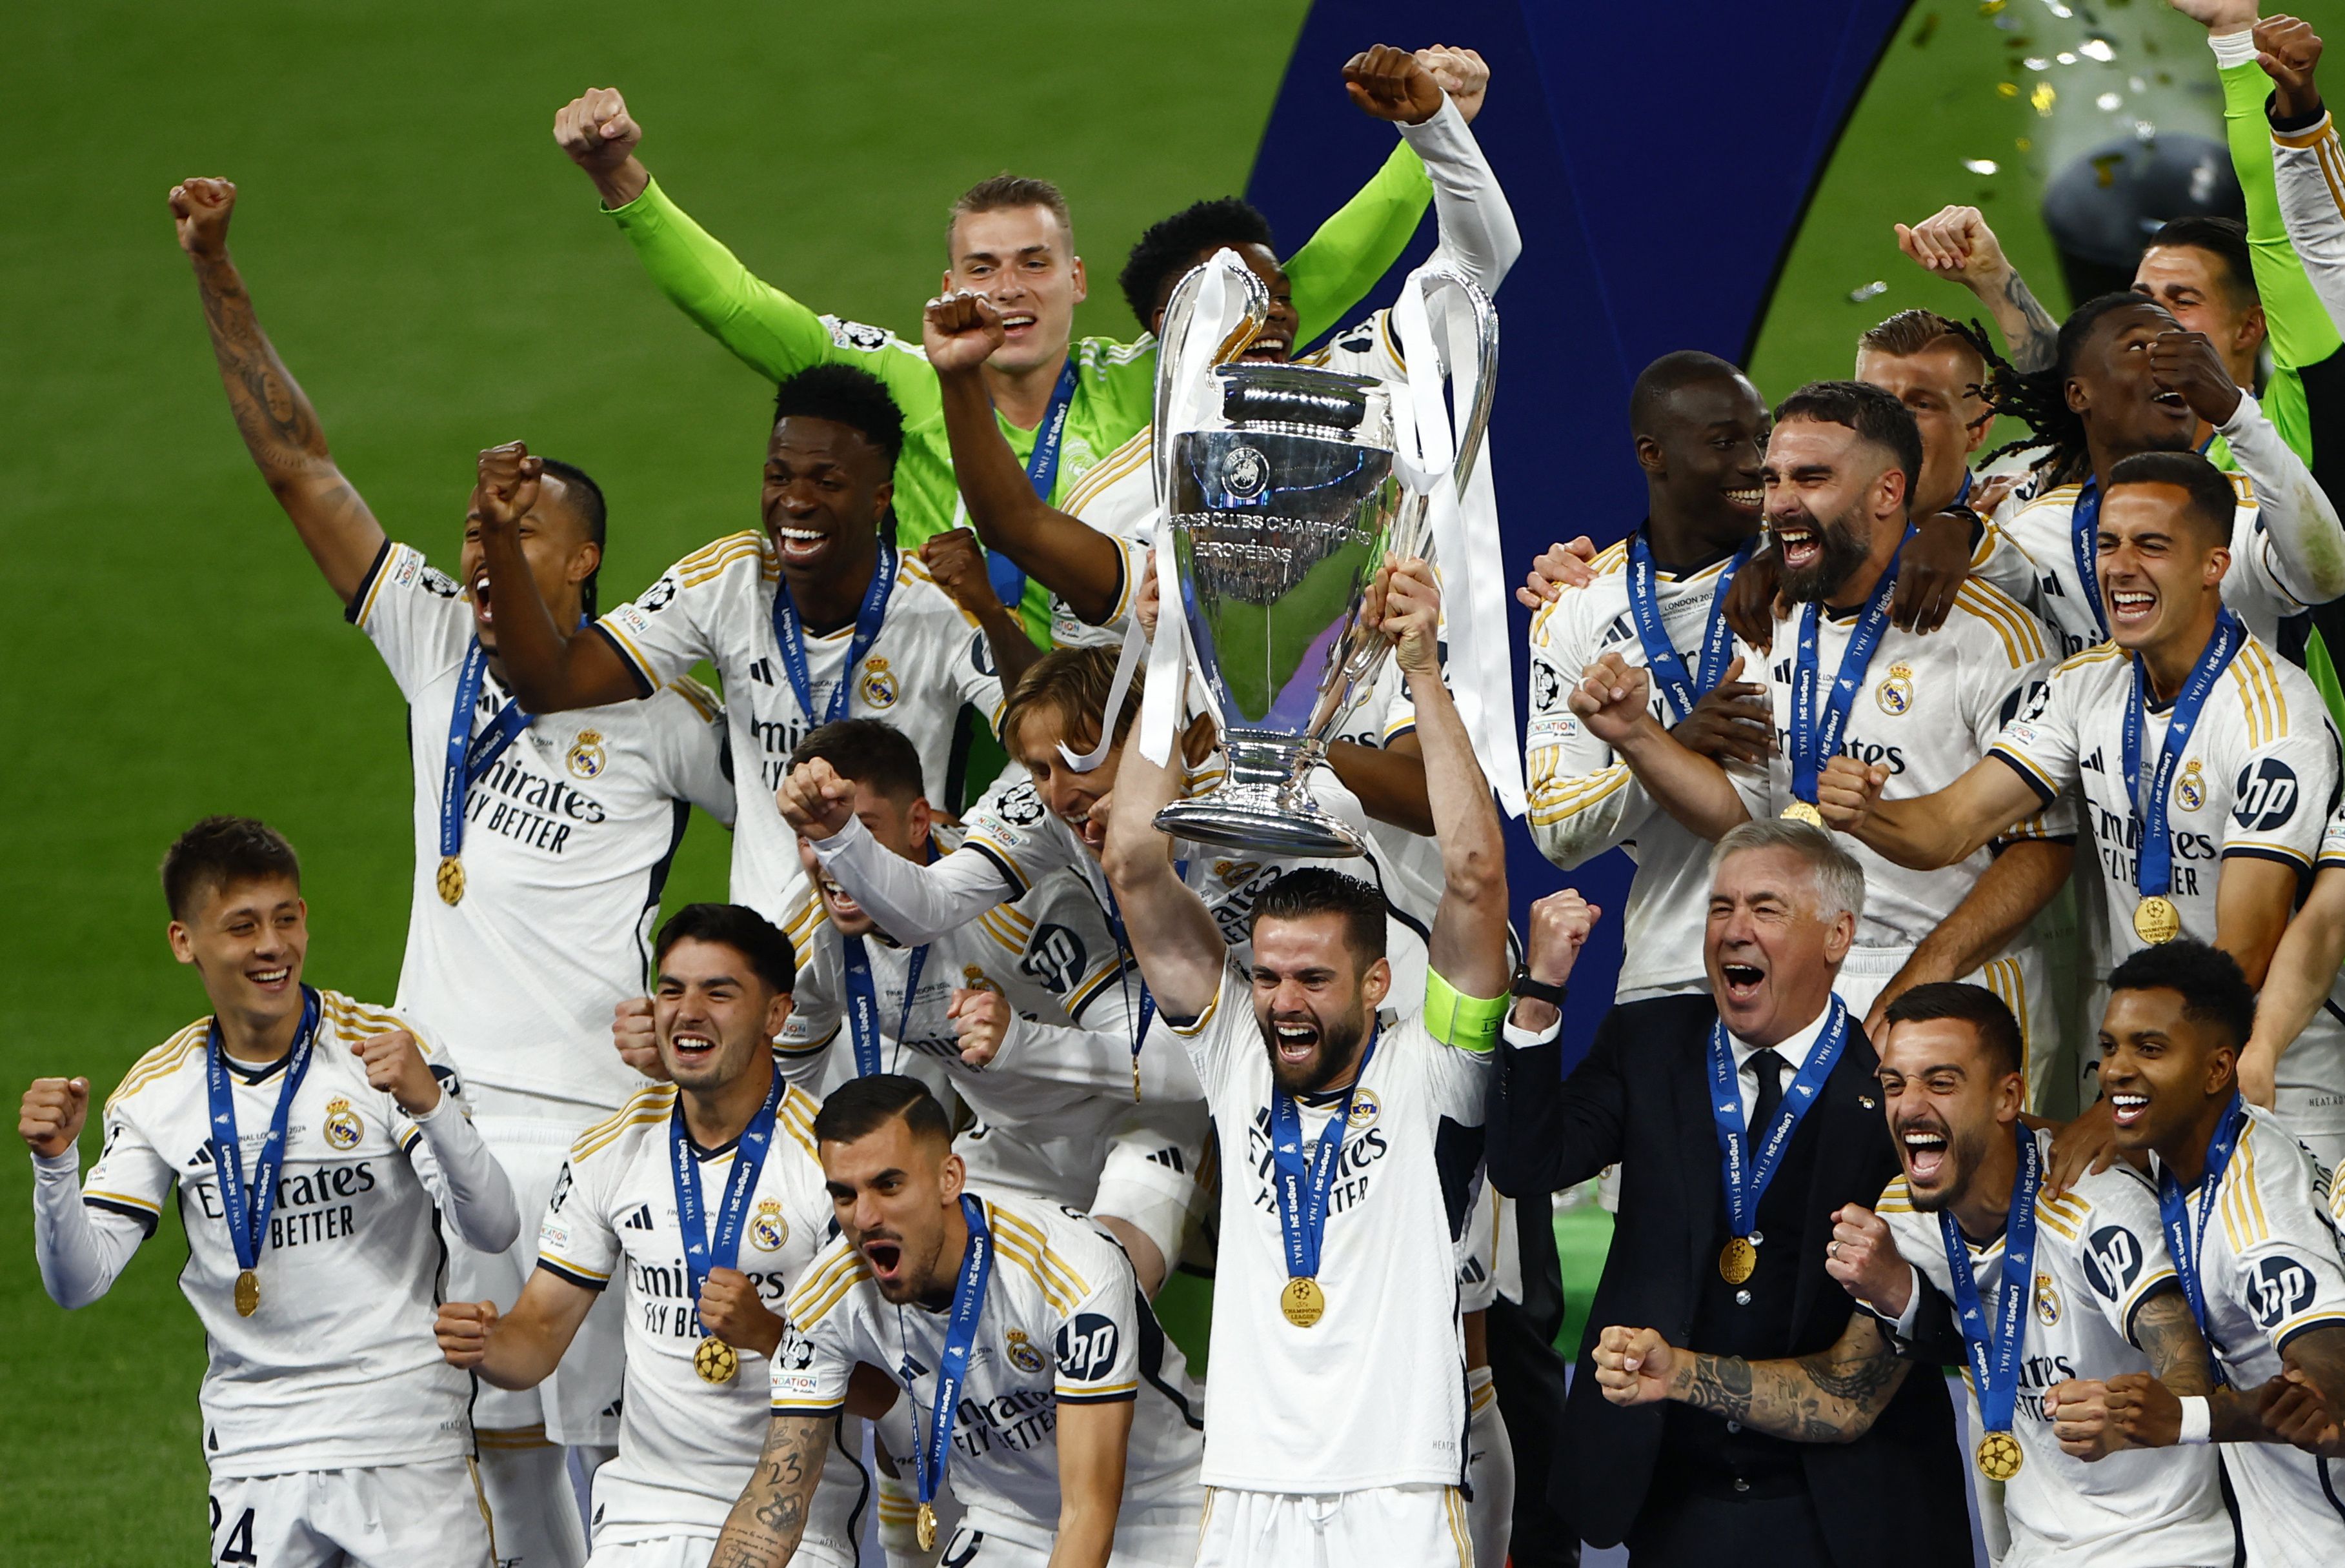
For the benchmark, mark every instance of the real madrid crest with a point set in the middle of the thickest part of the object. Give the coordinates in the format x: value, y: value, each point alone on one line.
x: 1235, y: 871
x: 768, y: 1229
x: 974, y: 978
x: 1022, y: 1354
x: 2191, y: 789
x: 1364, y: 1110
x: 2047, y: 1300
x: 878, y: 685
x: 343, y: 1127
x: 1895, y: 692
x: 586, y: 757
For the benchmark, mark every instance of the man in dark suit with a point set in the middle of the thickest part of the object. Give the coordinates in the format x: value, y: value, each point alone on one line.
x: 1740, y: 1124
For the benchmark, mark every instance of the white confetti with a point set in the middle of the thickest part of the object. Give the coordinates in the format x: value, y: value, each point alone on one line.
x: 2065, y: 57
x: 1981, y: 165
x: 1871, y: 290
x: 2109, y: 100
x: 2144, y: 131
x: 2057, y: 9
x: 2136, y: 84
x: 2036, y: 63
x: 2099, y: 49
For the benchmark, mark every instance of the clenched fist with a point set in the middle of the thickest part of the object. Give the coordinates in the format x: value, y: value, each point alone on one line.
x: 731, y: 1310
x: 1403, y: 603
x: 507, y: 488
x: 814, y: 801
x: 595, y: 129
x: 1634, y: 1366
x: 199, y: 211
x: 1863, y: 1257
x: 1462, y: 74
x: 1955, y: 243
x: 957, y: 564
x: 51, y: 1120
x: 2290, y: 51
x: 1612, y: 696
x: 1392, y: 84
x: 982, y: 1020
x: 960, y: 331
x: 394, y: 1064
x: 1847, y: 791
x: 462, y: 1330
x: 636, y: 1037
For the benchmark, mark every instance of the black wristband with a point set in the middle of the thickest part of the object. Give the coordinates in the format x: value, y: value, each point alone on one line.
x: 1538, y: 990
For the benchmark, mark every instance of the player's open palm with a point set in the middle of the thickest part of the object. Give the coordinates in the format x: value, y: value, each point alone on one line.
x: 394, y: 1064
x: 199, y: 211
x: 981, y: 1021
x: 462, y: 1330
x: 1750, y: 598
x: 814, y: 801
x: 1634, y: 1366
x: 1392, y: 84
x: 54, y: 1111
x: 960, y: 331
x: 1847, y: 791
x: 595, y: 129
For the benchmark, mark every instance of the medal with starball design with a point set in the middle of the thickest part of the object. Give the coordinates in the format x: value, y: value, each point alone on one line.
x: 1301, y: 1188
x: 2155, y: 919
x: 450, y: 880
x: 715, y: 1362
x: 1800, y: 811
x: 1737, y: 1259
x: 1746, y: 1167
x: 1998, y: 1456
x: 706, y: 1250
x: 1994, y: 1333
x: 468, y: 756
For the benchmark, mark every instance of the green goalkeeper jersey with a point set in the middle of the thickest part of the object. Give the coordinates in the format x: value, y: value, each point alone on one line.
x: 1116, y: 381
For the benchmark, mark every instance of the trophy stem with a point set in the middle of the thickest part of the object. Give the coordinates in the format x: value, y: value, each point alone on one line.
x: 1264, y: 802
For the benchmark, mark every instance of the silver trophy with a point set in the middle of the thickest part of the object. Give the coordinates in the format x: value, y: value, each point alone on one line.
x: 1283, y: 499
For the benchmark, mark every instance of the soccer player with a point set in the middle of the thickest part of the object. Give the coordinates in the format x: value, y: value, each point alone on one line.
x: 1064, y: 405
x: 1044, y: 1393
x: 2205, y: 763
x: 538, y: 865
x: 707, y: 1192
x: 1359, y: 1148
x: 819, y: 617
x: 2241, y: 1203
x: 1839, y: 467
x: 1028, y: 1014
x: 316, y: 1143
x: 2304, y: 985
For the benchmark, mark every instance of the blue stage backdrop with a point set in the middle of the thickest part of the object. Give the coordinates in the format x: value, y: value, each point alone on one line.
x: 1657, y: 160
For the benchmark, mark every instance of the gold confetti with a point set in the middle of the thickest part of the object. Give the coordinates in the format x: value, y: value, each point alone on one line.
x: 2023, y: 144
x: 1990, y: 8
x: 2044, y: 98
x: 2006, y: 89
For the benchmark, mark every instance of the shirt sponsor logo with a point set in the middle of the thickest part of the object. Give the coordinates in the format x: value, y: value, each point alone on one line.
x: 1087, y: 1348
x: 2113, y: 1260
x: 1056, y: 957
x: 2264, y: 796
x: 2278, y: 1288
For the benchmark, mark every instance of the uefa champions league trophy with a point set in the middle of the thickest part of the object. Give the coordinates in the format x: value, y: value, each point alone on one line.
x: 1282, y: 495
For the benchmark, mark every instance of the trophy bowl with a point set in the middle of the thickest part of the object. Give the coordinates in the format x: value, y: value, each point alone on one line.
x: 1281, y: 501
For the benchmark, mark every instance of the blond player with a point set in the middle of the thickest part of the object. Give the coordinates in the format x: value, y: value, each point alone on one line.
x: 316, y: 1146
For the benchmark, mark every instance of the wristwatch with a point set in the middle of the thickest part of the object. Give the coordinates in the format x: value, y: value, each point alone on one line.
x: 1537, y: 990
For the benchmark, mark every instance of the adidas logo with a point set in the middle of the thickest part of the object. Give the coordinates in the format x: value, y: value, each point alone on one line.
x: 1170, y: 1158
x: 2093, y: 763
x: 640, y: 1219
x: 762, y: 671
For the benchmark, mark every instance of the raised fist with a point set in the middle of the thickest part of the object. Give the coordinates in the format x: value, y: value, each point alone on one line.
x: 960, y: 331
x: 1461, y: 73
x: 1955, y: 243
x: 1611, y: 697
x: 1862, y: 1256
x: 199, y: 211
x: 636, y: 1037
x: 982, y: 1020
x: 1847, y: 791
x: 1560, y: 923
x: 595, y: 129
x: 2218, y: 16
x: 957, y: 564
x: 51, y: 1120
x: 814, y: 801
x: 2289, y: 50
x: 394, y: 1064
x: 508, y: 484
x: 1634, y: 1366
x: 1392, y: 84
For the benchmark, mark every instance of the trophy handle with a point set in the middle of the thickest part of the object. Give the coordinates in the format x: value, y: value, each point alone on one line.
x: 1179, y: 310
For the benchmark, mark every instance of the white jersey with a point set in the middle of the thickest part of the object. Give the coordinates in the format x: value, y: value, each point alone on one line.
x: 2100, y: 1255
x: 1929, y: 708
x: 2268, y: 1271
x: 1063, y: 1078
x: 717, y: 604
x: 568, y: 837
x: 687, y: 1448
x: 2044, y: 530
x: 2257, y: 780
x: 1373, y: 1394
x: 337, y: 1369
x: 1064, y: 1322
x: 1584, y: 800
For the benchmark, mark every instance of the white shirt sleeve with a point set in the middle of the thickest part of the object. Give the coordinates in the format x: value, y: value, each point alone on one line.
x: 1583, y: 799
x: 2302, y: 542
x: 1476, y: 225
x: 413, y: 614
x: 912, y: 902
x: 2309, y: 168
x: 463, y: 1176
x: 81, y: 1248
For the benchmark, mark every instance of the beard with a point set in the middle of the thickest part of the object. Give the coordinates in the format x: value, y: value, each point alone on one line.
x: 1843, y: 547
x: 1334, y: 1052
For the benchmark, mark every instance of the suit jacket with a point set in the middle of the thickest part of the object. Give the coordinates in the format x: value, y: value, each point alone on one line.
x: 1642, y: 1099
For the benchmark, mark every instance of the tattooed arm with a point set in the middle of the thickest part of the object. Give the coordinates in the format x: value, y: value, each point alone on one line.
x: 2144, y: 1410
x: 1956, y: 244
x: 1832, y: 1396
x: 764, y: 1528
x: 279, y: 428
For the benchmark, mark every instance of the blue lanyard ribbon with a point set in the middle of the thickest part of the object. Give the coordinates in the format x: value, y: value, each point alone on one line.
x: 2155, y: 872
x: 1662, y: 656
x: 1993, y: 1340
x: 1042, y: 472
x: 2084, y: 539
x: 704, y: 1251
x: 960, y: 1335
x: 1131, y: 966
x: 790, y: 633
x: 1746, y: 1173
x: 1814, y: 740
x: 247, y: 1205
x: 863, y: 1001
x: 469, y: 756
x: 1302, y: 1188
x: 2183, y: 1237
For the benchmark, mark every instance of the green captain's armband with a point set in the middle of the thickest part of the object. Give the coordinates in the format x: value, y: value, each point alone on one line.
x: 1470, y: 1023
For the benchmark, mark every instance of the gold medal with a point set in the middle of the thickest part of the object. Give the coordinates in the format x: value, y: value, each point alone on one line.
x: 1998, y: 1456
x: 1302, y: 1301
x: 924, y: 1526
x: 1737, y: 1259
x: 715, y: 1362
x: 450, y: 880
x: 2156, y: 920
x: 248, y: 1293
x: 1800, y: 811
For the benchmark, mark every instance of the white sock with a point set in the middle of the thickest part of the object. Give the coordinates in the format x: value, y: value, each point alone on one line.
x: 1490, y: 1467
x: 532, y: 1512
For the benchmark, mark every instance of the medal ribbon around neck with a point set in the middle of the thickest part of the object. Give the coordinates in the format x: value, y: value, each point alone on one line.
x: 1747, y: 1174
x: 863, y: 1000
x: 705, y: 1253
x: 1302, y: 1190
x: 2085, y: 541
x: 952, y: 1366
x: 1131, y: 967
x: 1813, y: 739
x: 1662, y: 656
x: 1994, y: 1336
x: 790, y: 633
x: 468, y: 755
x: 1008, y: 577
x: 2155, y: 872
x: 246, y: 1206
x: 2182, y: 1238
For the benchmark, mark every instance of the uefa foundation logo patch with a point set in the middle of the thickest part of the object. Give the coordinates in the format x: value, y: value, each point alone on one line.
x: 343, y: 1127
x: 587, y: 759
x: 768, y: 1228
